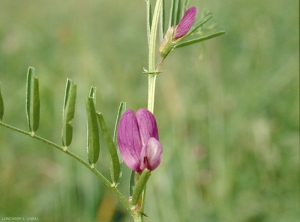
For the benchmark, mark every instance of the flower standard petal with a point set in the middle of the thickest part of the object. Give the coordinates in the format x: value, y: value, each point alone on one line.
x: 129, y: 140
x: 147, y: 125
x: 185, y: 23
x: 151, y: 154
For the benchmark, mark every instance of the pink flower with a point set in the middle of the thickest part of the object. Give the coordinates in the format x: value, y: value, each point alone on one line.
x: 138, y: 140
x: 185, y: 23
x: 176, y: 34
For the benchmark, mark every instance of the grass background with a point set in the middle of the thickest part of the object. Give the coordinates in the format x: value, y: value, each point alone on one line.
x: 227, y: 110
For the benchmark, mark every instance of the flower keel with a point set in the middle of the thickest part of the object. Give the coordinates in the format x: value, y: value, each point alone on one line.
x: 151, y: 154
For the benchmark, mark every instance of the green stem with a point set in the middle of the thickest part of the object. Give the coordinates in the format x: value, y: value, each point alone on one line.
x: 111, y: 186
x: 151, y: 91
x: 152, y: 49
x: 152, y: 36
x: 138, y: 218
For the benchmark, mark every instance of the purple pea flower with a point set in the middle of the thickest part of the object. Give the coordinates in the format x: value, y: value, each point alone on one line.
x: 185, y: 23
x: 138, y: 140
x: 176, y: 34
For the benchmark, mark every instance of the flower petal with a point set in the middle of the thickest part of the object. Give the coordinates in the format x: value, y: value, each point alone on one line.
x: 129, y: 140
x: 151, y: 154
x: 147, y: 125
x: 185, y: 23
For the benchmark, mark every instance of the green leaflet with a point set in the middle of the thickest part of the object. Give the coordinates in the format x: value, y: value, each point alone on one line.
x: 93, y: 140
x: 179, y: 12
x: 162, y: 21
x: 205, y: 18
x: 184, y: 6
x: 1, y: 105
x: 140, y: 186
x: 68, y: 112
x: 32, y: 100
x: 93, y: 94
x: 114, y: 157
x: 200, y: 39
x: 172, y: 20
x: 149, y: 19
x: 121, y: 110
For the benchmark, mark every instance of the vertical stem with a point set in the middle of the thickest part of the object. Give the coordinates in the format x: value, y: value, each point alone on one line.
x: 151, y: 91
x: 138, y: 218
x: 152, y: 73
x: 151, y: 64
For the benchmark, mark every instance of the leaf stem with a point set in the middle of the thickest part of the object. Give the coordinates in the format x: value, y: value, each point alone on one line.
x: 111, y: 186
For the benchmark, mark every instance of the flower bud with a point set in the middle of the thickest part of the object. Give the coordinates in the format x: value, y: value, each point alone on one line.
x: 177, y: 33
x: 185, y: 23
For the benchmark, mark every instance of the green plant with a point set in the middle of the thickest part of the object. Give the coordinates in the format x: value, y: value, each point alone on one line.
x: 182, y: 25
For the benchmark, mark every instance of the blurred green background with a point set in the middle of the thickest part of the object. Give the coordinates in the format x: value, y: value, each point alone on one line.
x: 227, y: 110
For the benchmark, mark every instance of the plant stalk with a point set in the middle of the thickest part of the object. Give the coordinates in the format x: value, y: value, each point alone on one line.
x: 152, y: 50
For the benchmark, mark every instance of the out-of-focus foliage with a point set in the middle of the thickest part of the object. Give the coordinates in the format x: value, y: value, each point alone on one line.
x: 227, y: 111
